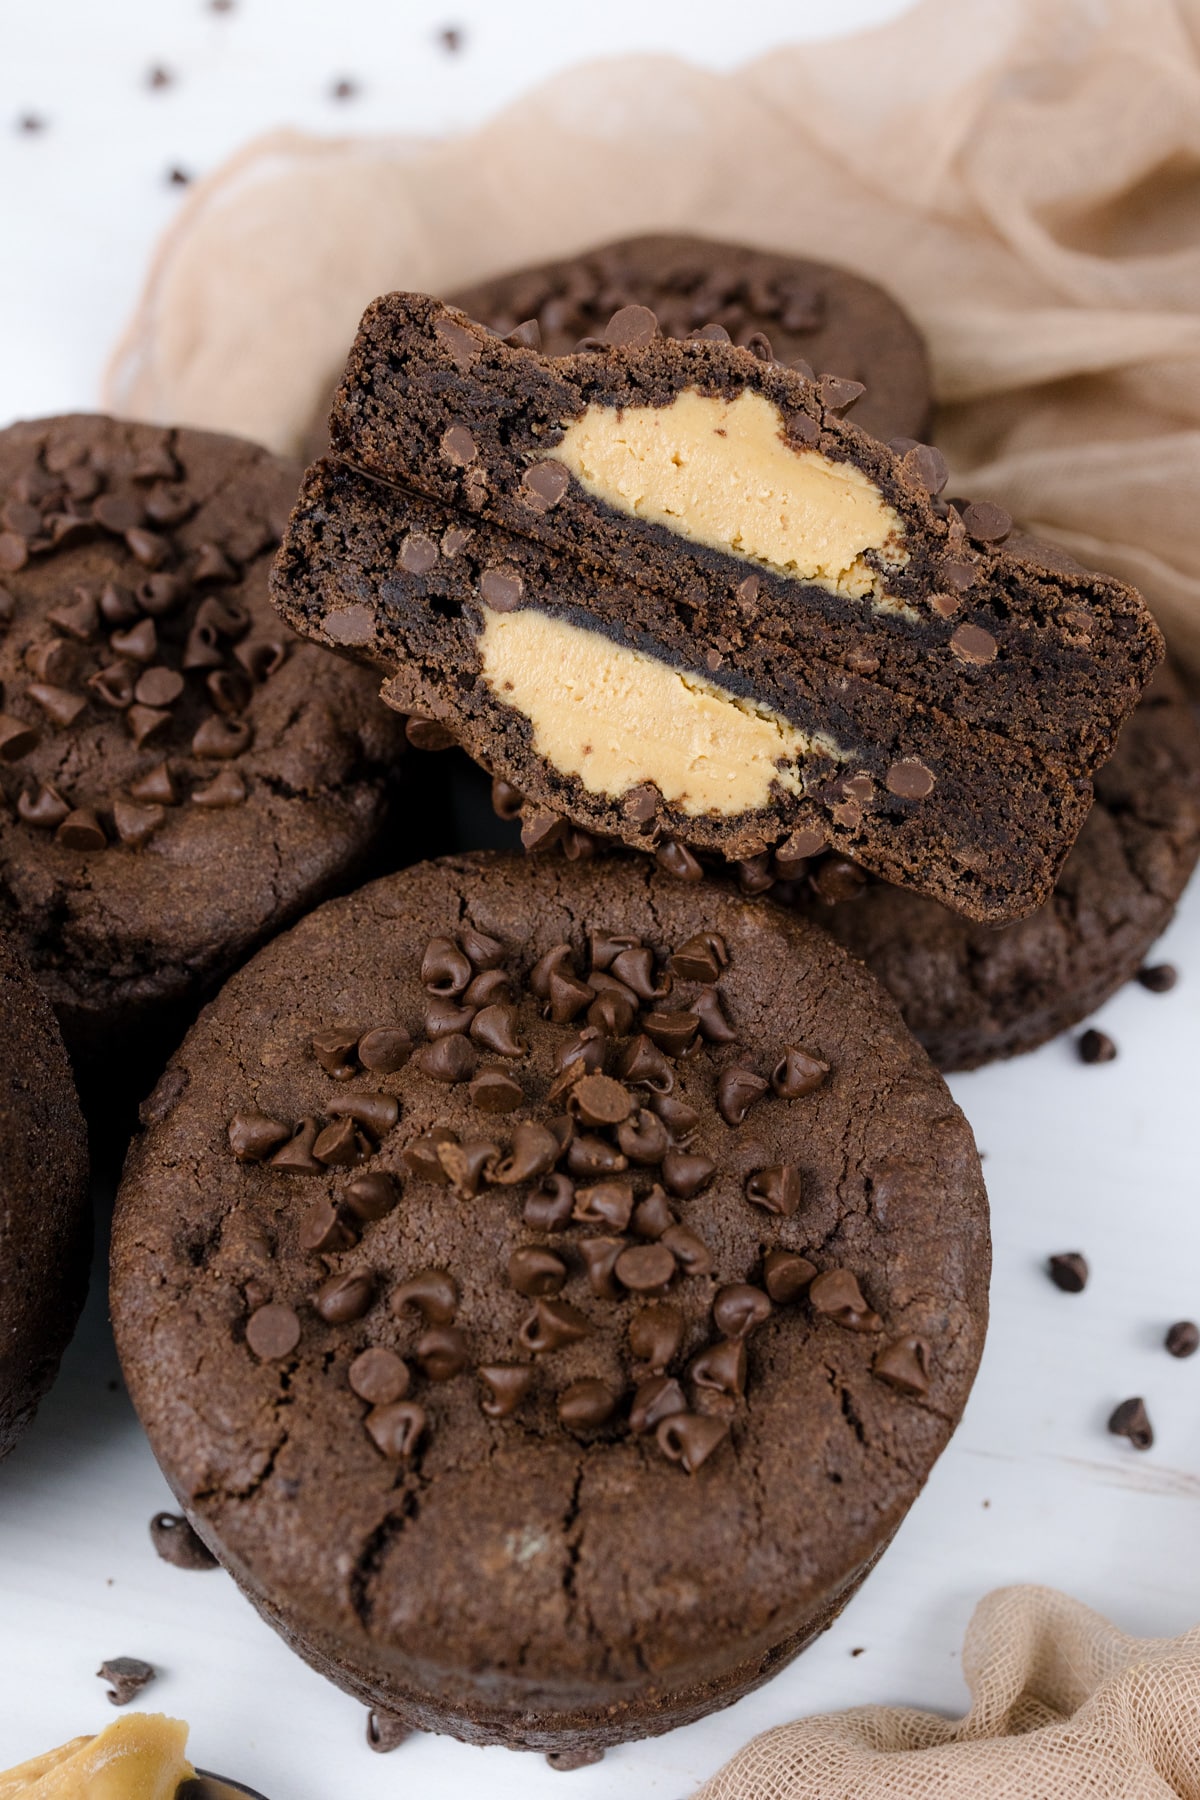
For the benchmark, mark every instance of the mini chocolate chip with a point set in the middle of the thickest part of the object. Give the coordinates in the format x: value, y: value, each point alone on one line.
x: 45, y: 809
x: 273, y: 1332
x: 421, y: 1156
x: 501, y: 589
x: 586, y: 1403
x: 592, y: 1155
x: 599, y: 1257
x: 507, y: 800
x: 604, y: 1203
x: 544, y: 484
x: 139, y: 643
x: 672, y: 1032
x: 714, y: 1026
x: 645, y: 1268
x: 81, y: 830
x: 385, y: 1731
x: 322, y: 1230
x: 909, y: 779
x: 176, y: 1543
x: 642, y: 1064
x: 798, y: 1072
x: 491, y: 987
x: 926, y: 465
x: 339, y: 1146
x: 495, y: 1091
x: 1160, y: 978
x: 1096, y: 1047
x: 431, y: 1292
x: 837, y: 393
x: 418, y: 553
x: 296, y: 1155
x: 16, y: 738
x: 525, y: 336
x: 379, y: 1376
x: 219, y: 739
x: 599, y: 1100
x: 836, y: 880
x: 551, y: 1206
x: 385, y: 1049
x: 135, y: 825
x: 835, y: 1294
x: 690, y: 1438
x: 442, y: 1352
x: 372, y: 1196
x: 157, y: 786
x: 552, y: 1324
x: 533, y: 1271
x: 450, y: 1059
x: 655, y: 1335
x: 686, y: 1173
x: 690, y: 1251
x: 225, y: 789
x: 986, y: 523
x: 458, y: 446
x: 463, y: 346
x: 701, y: 958
x: 146, y: 722
x: 1131, y: 1420
x: 507, y: 1385
x: 786, y: 1275
x: 739, y: 1309
x: 149, y: 548
x: 680, y: 1119
x: 444, y: 1018
x: 344, y: 1298
x: 495, y: 1029
x: 677, y: 860
x: 55, y: 661
x: 631, y: 325
x: 737, y: 1091
x: 228, y: 691
x: 14, y: 552
x: 721, y: 1367
x: 61, y: 706
x: 643, y: 1138
x: 376, y: 1113
x: 776, y: 1188
x: 904, y: 1365
x: 970, y: 643
x: 396, y: 1430
x: 1068, y: 1271
x: 658, y: 1398
x: 253, y: 1135
x: 533, y: 1152
x: 336, y: 1050
x: 127, y: 1676
x: 1183, y: 1338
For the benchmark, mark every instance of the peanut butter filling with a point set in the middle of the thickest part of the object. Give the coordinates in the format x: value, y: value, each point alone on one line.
x: 723, y: 473
x: 617, y: 718
x: 138, y: 1757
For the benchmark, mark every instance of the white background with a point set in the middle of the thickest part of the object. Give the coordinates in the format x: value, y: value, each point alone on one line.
x: 1100, y: 1159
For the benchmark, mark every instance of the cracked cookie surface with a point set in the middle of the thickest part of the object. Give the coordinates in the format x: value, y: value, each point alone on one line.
x: 547, y: 1288
x: 182, y: 775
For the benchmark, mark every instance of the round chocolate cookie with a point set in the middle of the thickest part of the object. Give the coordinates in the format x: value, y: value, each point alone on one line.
x: 45, y: 1224
x: 181, y: 775
x: 835, y: 321
x: 972, y: 993
x: 547, y: 1290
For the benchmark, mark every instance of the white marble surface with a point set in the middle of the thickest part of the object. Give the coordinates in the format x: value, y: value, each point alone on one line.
x: 1100, y: 1159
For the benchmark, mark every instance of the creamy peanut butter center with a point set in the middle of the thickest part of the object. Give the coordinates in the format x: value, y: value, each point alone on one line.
x: 617, y: 718
x: 722, y: 473
x: 138, y: 1757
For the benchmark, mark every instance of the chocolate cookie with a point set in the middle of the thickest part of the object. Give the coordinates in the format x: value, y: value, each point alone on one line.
x: 45, y: 1224
x: 666, y: 591
x: 972, y: 994
x: 831, y: 318
x: 181, y: 775
x: 585, y: 1271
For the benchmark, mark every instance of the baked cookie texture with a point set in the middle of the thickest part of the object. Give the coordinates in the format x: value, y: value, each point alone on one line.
x: 668, y: 593
x: 182, y: 775
x: 972, y: 994
x: 547, y: 1289
x: 45, y: 1220
x: 827, y: 316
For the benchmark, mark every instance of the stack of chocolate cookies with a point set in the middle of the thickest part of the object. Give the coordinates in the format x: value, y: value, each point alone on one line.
x: 588, y: 1258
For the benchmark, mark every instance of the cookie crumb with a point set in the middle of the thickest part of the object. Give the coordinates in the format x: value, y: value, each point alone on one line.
x: 1158, y: 978
x: 127, y: 1676
x: 177, y: 1543
x: 451, y: 38
x: 1096, y: 1047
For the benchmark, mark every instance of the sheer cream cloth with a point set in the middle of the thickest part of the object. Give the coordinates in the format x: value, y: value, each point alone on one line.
x: 1024, y: 174
x: 1063, y: 1707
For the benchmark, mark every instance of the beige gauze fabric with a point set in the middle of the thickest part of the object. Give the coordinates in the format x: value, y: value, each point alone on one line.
x: 1023, y: 174
x: 1063, y: 1707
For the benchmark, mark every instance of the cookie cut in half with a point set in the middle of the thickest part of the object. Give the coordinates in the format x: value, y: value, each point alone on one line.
x: 546, y: 1290
x: 670, y: 594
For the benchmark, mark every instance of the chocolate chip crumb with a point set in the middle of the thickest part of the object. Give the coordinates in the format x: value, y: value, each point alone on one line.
x: 176, y: 1543
x: 1068, y: 1271
x: 1183, y: 1338
x: 1131, y: 1420
x: 386, y: 1731
x: 451, y: 38
x: 566, y: 1761
x: 127, y: 1676
x: 1096, y: 1047
x: 1159, y: 978
x: 345, y: 90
